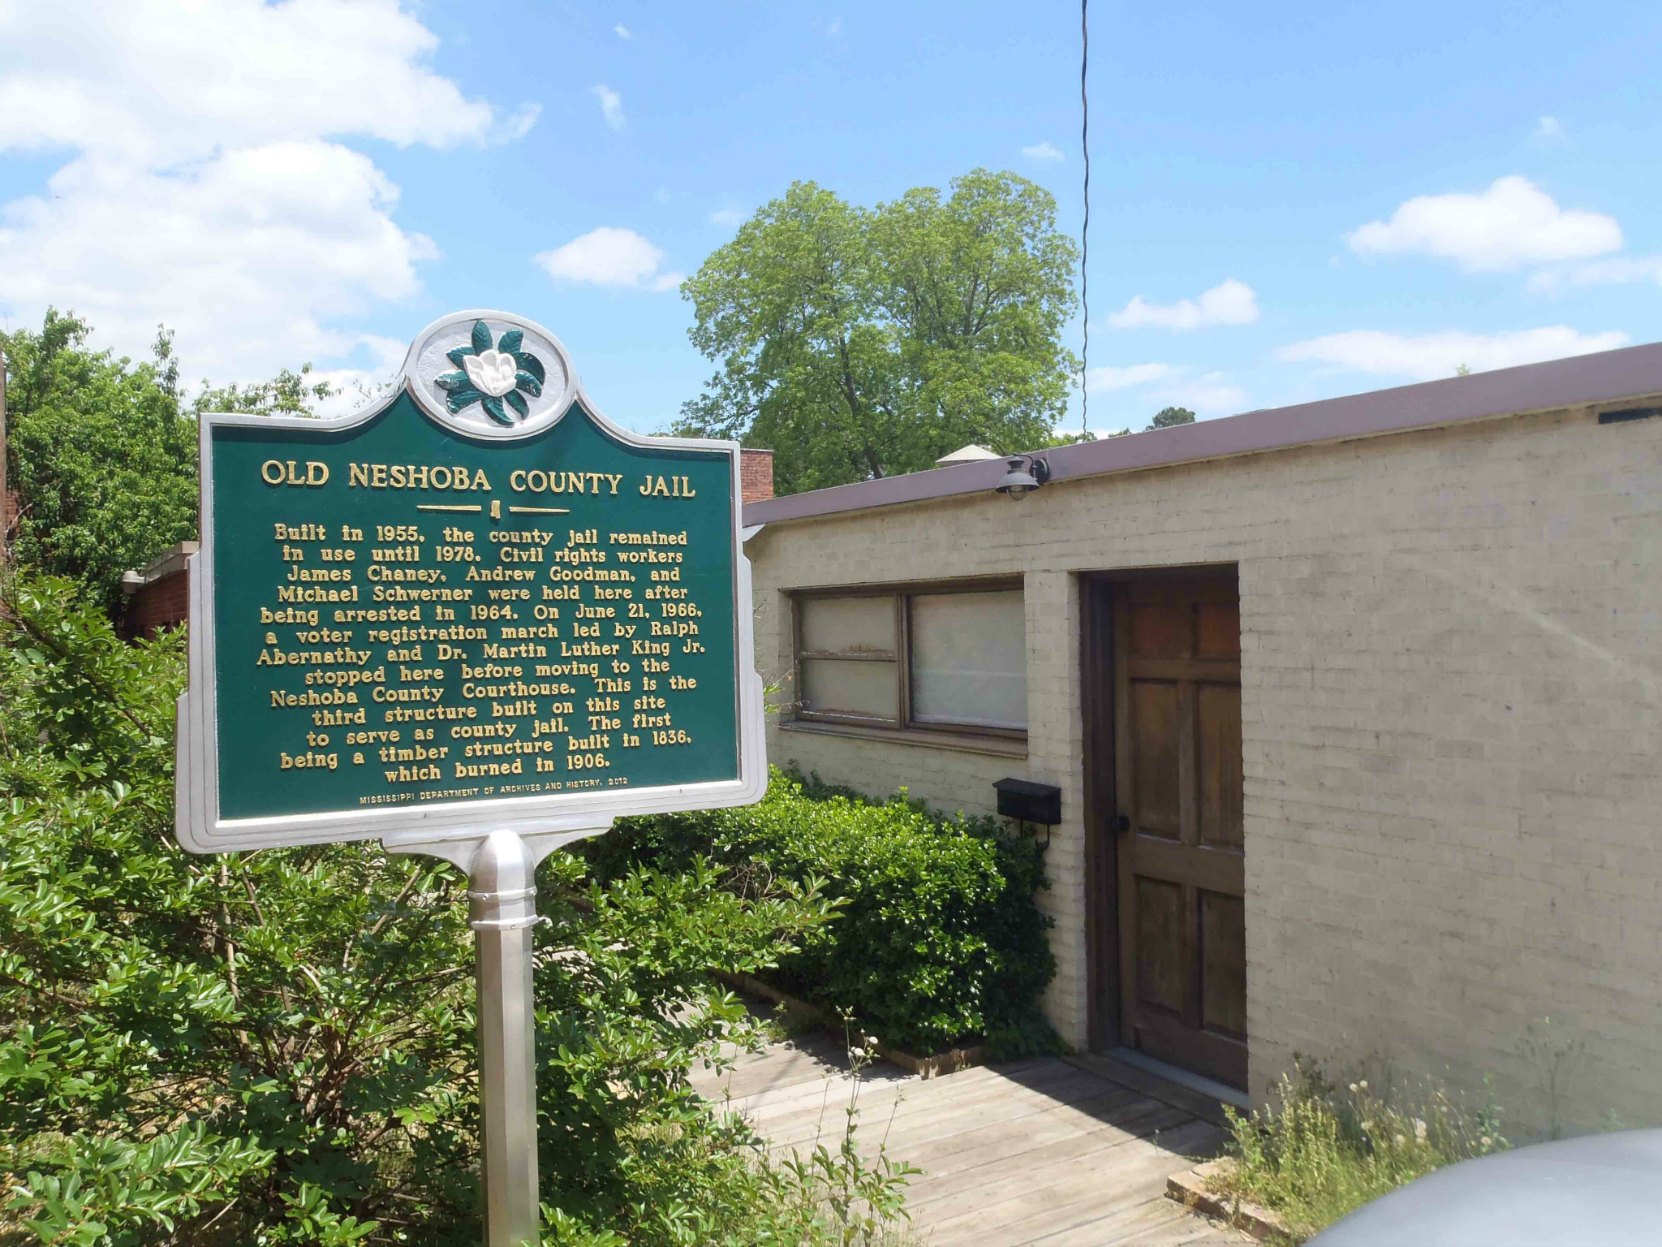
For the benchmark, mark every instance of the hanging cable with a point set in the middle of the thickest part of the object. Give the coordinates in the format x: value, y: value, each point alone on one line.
x: 1085, y: 232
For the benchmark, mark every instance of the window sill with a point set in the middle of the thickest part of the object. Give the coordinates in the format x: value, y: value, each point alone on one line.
x: 961, y: 742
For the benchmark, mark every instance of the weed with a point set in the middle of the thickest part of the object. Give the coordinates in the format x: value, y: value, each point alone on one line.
x: 1325, y: 1149
x: 1552, y: 1052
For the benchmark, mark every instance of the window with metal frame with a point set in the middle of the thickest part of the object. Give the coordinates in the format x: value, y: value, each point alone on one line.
x: 949, y: 657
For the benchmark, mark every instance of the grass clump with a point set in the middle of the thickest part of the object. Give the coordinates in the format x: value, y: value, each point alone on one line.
x: 1324, y: 1149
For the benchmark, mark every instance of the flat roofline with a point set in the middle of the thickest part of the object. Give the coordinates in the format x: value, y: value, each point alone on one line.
x: 1582, y: 380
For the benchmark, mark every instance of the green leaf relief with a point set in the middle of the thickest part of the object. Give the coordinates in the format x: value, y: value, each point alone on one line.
x: 461, y: 398
x: 516, y: 400
x: 481, y: 337
x: 458, y: 355
x: 525, y: 381
x: 493, y: 409
x: 531, y: 364
x: 512, y: 342
x: 453, y: 381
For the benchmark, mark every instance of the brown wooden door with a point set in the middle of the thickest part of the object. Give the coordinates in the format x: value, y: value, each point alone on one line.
x: 1177, y: 778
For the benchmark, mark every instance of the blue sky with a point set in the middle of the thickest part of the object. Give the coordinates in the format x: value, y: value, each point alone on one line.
x: 1289, y: 202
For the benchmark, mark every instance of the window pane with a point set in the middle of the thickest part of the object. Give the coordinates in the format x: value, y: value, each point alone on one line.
x: 848, y: 625
x: 969, y: 659
x: 868, y: 690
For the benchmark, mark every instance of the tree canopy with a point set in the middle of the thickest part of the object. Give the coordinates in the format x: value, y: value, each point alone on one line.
x: 101, y: 458
x: 1166, y: 417
x: 102, y: 450
x: 858, y: 343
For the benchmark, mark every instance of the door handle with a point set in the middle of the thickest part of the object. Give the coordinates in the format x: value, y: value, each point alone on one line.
x: 1121, y: 823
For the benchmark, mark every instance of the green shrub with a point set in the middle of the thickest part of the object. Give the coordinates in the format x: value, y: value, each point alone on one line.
x: 278, y: 1047
x: 1323, y: 1150
x: 938, y: 939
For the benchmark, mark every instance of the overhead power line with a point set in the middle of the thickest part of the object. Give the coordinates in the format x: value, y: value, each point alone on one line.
x: 1085, y: 232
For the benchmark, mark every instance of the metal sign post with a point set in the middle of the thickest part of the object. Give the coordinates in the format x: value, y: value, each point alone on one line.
x: 502, y: 910
x: 502, y: 913
x: 476, y: 620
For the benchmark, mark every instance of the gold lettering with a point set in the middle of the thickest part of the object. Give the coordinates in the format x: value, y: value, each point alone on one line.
x: 422, y: 476
x: 288, y: 472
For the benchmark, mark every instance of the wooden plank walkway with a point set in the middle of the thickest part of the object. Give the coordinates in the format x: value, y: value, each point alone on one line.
x: 1064, y: 1152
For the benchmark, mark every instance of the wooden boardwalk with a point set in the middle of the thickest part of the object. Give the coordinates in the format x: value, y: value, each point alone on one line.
x: 1064, y: 1152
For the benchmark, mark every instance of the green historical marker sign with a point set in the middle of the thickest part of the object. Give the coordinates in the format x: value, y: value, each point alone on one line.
x: 475, y: 620
x: 475, y: 604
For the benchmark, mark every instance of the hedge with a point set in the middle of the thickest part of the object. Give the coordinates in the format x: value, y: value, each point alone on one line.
x: 938, y: 941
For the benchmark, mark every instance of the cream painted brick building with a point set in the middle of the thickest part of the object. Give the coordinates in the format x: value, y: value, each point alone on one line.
x: 1450, y: 718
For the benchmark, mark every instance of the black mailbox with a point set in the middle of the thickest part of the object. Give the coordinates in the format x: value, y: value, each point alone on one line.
x: 1028, y: 802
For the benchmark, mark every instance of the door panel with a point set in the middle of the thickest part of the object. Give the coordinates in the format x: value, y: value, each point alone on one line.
x: 1219, y: 765
x: 1219, y: 626
x: 1222, y: 964
x: 1160, y: 975
x: 1154, y: 710
x: 1157, y: 629
x: 1178, y: 777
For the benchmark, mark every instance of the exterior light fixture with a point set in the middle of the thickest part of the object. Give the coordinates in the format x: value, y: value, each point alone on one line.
x: 1026, y: 474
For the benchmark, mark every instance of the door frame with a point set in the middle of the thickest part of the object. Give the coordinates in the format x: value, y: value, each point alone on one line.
x: 1096, y: 666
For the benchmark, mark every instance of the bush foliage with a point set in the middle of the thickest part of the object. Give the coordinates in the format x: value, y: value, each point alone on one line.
x: 278, y: 1047
x: 938, y: 939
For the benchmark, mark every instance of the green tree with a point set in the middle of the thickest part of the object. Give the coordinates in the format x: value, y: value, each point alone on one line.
x: 858, y: 343
x: 102, y: 450
x: 101, y: 459
x: 289, y: 393
x: 1167, y: 417
x: 1056, y: 439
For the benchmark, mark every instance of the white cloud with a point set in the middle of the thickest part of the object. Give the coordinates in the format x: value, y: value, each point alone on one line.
x: 1205, y: 395
x: 610, y: 256
x: 153, y: 81
x: 611, y: 104
x: 356, y: 386
x: 622, y: 31
x: 727, y: 216
x: 1165, y: 385
x: 1042, y: 151
x: 1230, y: 302
x: 1549, y: 130
x: 249, y: 256
x: 1620, y: 270
x: 1110, y: 377
x: 205, y: 178
x: 1425, y: 357
x: 1512, y: 223
x: 519, y: 125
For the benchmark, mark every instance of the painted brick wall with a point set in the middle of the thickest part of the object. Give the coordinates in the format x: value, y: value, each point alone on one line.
x: 1452, y: 705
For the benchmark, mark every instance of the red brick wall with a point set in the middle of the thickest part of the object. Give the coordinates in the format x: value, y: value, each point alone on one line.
x: 756, y: 474
x: 163, y: 603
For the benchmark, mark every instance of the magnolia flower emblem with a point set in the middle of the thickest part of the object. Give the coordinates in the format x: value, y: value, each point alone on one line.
x: 496, y: 375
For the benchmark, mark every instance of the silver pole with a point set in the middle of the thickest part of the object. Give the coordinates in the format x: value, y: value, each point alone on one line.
x: 503, y: 895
